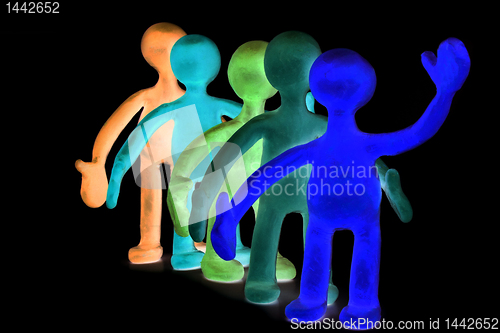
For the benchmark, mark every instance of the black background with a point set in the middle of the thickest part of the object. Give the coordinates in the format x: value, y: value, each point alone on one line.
x: 66, y: 73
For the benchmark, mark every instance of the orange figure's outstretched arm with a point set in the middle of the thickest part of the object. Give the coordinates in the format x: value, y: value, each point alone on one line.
x: 94, y: 179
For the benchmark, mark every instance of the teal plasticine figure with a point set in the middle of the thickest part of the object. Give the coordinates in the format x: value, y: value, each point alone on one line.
x: 343, y: 82
x: 247, y: 78
x: 288, y: 58
x: 195, y: 61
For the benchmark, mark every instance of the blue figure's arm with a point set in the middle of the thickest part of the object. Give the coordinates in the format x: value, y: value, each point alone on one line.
x: 448, y: 71
x: 223, y: 234
x: 230, y: 109
x: 132, y: 148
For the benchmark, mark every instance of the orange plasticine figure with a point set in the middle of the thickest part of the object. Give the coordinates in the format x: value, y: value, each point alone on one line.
x: 156, y: 45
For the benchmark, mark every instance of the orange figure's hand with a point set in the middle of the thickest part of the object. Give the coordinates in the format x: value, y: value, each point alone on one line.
x: 94, y: 182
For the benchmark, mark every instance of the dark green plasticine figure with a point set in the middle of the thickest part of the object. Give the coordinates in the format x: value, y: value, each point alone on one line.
x: 288, y: 59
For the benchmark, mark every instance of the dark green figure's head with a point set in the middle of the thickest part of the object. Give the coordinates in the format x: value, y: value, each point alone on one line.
x: 195, y: 60
x: 246, y: 72
x: 289, y: 57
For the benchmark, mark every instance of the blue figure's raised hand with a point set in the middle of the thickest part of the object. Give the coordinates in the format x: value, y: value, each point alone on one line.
x: 224, y: 231
x: 450, y: 69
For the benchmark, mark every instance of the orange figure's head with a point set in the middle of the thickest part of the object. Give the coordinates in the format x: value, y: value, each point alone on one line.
x: 157, y: 43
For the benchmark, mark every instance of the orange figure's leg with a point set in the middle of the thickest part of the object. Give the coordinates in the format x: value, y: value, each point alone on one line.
x: 149, y: 248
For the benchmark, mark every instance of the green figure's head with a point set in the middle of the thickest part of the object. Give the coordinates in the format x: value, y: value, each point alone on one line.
x: 246, y: 72
x: 289, y: 57
x: 195, y: 60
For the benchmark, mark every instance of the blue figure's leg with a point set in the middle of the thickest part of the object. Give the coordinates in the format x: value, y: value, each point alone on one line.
x: 363, y: 285
x: 261, y: 285
x: 312, y: 301
x: 333, y: 291
x: 184, y: 254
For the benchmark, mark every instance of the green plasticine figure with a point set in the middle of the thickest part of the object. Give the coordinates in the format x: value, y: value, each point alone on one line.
x: 288, y: 59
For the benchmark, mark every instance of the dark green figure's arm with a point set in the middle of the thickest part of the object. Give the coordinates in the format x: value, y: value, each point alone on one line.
x: 391, y: 184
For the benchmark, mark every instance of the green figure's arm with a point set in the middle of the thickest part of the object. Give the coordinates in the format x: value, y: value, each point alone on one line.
x: 180, y: 183
x: 244, y: 138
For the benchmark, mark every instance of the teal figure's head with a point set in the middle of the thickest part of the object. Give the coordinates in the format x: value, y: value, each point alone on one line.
x: 288, y: 59
x: 342, y: 80
x: 195, y: 60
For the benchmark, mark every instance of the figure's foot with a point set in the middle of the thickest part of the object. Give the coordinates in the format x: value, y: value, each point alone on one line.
x: 142, y: 254
x: 285, y: 270
x: 306, y: 310
x: 261, y: 291
x: 353, y: 314
x: 187, y: 260
x: 243, y: 255
x: 333, y: 293
x: 397, y: 198
x: 201, y: 246
x: 216, y: 269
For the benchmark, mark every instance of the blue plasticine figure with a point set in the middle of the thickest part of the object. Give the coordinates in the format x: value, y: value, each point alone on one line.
x: 287, y: 62
x: 195, y: 61
x: 343, y: 168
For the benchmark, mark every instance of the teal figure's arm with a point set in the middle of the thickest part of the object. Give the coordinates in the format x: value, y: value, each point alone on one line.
x: 391, y: 185
x: 448, y: 71
x: 132, y: 148
x: 223, y: 234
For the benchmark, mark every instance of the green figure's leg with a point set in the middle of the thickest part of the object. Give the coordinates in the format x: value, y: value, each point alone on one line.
x: 214, y: 267
x: 391, y: 184
x: 333, y: 291
x: 217, y: 269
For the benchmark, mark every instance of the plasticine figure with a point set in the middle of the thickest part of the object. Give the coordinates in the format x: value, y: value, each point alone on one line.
x: 156, y: 44
x: 343, y: 82
x: 288, y: 59
x: 195, y: 61
x: 247, y: 78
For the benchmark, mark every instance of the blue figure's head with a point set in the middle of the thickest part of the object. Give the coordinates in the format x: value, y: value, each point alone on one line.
x: 342, y: 80
x: 195, y: 60
x: 288, y: 59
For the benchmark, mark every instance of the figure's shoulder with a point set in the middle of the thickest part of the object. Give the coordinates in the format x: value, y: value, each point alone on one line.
x: 222, y: 131
x: 317, y: 124
x: 140, y: 95
x: 319, y: 120
x: 225, y: 103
